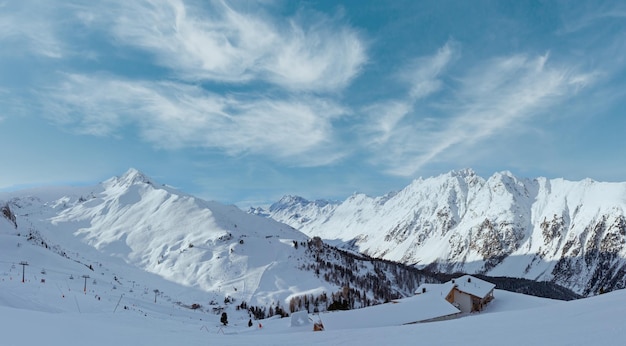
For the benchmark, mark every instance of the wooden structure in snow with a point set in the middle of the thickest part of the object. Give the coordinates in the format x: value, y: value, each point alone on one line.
x: 466, y: 293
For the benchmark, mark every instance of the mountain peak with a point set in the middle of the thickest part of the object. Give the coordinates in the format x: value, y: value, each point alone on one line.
x: 554, y: 230
x: 504, y: 174
x: 293, y: 199
x: 133, y: 176
x: 463, y: 173
x: 128, y: 179
x: 288, y: 202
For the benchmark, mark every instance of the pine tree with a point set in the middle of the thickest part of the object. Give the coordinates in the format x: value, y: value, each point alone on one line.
x: 292, y: 304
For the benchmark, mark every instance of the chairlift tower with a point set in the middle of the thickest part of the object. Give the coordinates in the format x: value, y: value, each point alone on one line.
x: 85, y: 287
x: 23, y: 264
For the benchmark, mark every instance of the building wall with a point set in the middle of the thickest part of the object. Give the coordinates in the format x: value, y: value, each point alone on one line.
x: 464, y: 301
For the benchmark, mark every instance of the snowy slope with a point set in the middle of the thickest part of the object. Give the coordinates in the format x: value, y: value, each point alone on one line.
x: 89, y: 280
x: 131, y: 220
x: 572, y: 233
x: 511, y: 319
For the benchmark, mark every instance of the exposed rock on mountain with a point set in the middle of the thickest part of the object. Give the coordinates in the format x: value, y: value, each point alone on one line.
x: 7, y: 214
x: 570, y: 233
x: 219, y: 250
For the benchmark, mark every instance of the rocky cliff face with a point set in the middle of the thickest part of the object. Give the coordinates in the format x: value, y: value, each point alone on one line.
x: 7, y: 214
x: 571, y: 233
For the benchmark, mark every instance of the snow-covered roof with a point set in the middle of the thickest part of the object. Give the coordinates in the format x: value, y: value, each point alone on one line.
x: 433, y: 290
x: 472, y: 285
x: 466, y: 283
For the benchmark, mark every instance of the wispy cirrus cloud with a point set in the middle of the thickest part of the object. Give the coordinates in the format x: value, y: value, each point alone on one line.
x: 28, y: 26
x: 322, y: 57
x: 279, y: 65
x: 579, y: 16
x: 175, y: 115
x: 224, y: 45
x: 424, y: 74
x: 503, y: 93
x: 423, y: 77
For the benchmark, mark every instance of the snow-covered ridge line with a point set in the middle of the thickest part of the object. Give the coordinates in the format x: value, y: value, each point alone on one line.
x: 93, y: 281
x: 569, y: 232
x: 212, y: 248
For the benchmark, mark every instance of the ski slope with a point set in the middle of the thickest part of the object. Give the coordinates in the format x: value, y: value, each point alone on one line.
x: 119, y: 306
x: 113, y: 265
x: 511, y: 319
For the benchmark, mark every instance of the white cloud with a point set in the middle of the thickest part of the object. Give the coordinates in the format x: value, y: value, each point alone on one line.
x: 174, y: 115
x: 383, y: 120
x: 324, y: 57
x: 28, y: 26
x: 222, y: 44
x: 503, y: 94
x: 579, y: 16
x: 282, y: 66
x: 423, y: 75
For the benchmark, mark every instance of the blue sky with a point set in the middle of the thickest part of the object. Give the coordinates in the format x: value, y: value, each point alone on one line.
x: 245, y: 101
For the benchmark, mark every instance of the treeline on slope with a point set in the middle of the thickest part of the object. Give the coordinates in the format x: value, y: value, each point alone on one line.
x: 408, y: 278
x: 364, y: 281
x: 367, y: 281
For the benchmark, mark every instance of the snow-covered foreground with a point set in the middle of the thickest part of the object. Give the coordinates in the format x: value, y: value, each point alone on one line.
x: 96, y: 275
x: 511, y: 319
x: 58, y: 311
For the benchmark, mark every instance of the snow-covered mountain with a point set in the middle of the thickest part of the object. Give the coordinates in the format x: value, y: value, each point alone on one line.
x: 571, y: 233
x: 186, y: 240
x: 126, y: 262
x: 219, y: 252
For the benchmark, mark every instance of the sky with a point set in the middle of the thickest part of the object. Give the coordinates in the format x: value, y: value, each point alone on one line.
x: 245, y: 101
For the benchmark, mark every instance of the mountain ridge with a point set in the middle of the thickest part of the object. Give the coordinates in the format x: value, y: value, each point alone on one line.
x: 570, y: 233
x: 214, y: 250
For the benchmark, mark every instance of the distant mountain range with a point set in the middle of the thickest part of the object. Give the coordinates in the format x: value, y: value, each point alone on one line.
x: 572, y: 233
x: 202, y: 250
x: 195, y: 245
